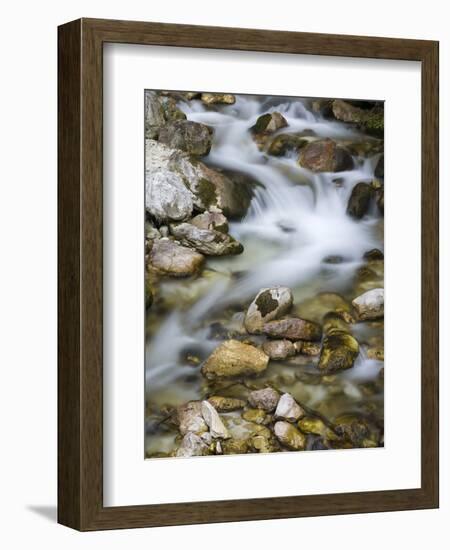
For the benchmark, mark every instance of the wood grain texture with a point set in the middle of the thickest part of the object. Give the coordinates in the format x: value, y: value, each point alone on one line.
x: 80, y: 263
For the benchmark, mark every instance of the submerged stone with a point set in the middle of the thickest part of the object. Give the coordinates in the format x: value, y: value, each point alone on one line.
x: 233, y: 359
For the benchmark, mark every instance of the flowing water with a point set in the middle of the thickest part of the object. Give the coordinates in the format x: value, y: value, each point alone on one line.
x: 296, y: 221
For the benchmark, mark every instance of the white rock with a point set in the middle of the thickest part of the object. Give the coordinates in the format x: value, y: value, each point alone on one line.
x: 213, y: 420
x: 288, y: 408
x: 269, y: 304
x: 192, y: 445
x: 166, y: 196
x: 190, y: 418
x: 370, y: 305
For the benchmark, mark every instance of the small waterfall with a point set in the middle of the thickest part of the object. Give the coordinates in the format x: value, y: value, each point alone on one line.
x: 295, y: 221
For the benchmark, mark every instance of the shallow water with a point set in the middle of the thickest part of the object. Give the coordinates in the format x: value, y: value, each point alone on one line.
x: 295, y: 221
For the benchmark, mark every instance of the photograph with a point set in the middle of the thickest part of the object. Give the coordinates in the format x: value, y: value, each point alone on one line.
x: 264, y: 273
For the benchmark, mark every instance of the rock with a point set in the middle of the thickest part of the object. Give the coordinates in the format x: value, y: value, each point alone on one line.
x: 311, y: 425
x: 324, y: 155
x: 265, y: 399
x: 262, y: 444
x: 282, y: 143
x: 148, y: 292
x: 254, y: 415
x: 192, y: 445
x: 278, y: 349
x: 193, y: 137
x: 154, y: 114
x: 360, y: 199
x: 333, y: 322
x: 310, y: 348
x: 211, y: 220
x: 226, y: 404
x: 288, y: 408
x: 205, y: 241
x: 268, y: 304
x: 166, y: 197
x: 171, y: 110
x: 316, y: 307
x: 289, y: 436
x: 269, y: 123
x: 235, y: 447
x: 190, y: 418
x: 370, y: 305
x: 379, y: 168
x: 379, y: 197
x: 371, y: 120
x: 374, y: 254
x: 173, y: 259
x: 233, y: 358
x: 339, y: 351
x: 323, y: 107
x: 216, y: 426
x: 218, y: 99
x: 293, y: 329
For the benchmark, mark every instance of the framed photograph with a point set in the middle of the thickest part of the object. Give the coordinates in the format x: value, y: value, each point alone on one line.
x: 228, y: 201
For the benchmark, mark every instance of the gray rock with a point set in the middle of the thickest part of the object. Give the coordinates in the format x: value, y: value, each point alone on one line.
x: 370, y: 305
x: 154, y: 114
x: 166, y: 196
x: 279, y: 349
x: 211, y: 220
x: 268, y: 304
x: 173, y: 259
x: 213, y: 420
x: 288, y: 408
x: 193, y: 137
x: 192, y: 445
x: 265, y: 399
x: 190, y: 418
x: 206, y: 241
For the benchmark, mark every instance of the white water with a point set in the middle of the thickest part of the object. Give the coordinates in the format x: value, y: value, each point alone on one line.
x: 288, y: 231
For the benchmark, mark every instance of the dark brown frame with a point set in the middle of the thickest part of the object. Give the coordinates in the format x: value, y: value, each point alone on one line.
x: 80, y: 414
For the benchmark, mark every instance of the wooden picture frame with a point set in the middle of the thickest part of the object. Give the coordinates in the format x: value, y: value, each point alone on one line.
x: 80, y: 271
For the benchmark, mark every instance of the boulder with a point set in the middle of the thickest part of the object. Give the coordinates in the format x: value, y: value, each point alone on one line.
x: 193, y: 137
x: 205, y: 241
x: 154, y: 114
x: 324, y: 155
x: 226, y: 404
x: 211, y: 220
x: 289, y: 436
x: 190, y: 418
x: 293, y: 329
x: 210, y: 189
x: 170, y: 258
x: 192, y: 445
x: 279, y: 349
x: 339, y: 351
x: 360, y: 200
x: 370, y: 305
x: 218, y: 99
x: 268, y: 304
x: 288, y: 408
x: 166, y: 196
x: 371, y: 120
x: 265, y: 399
x: 233, y: 359
x: 217, y: 428
x: 269, y: 123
